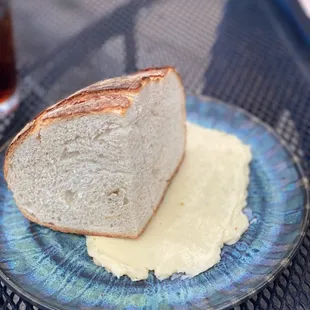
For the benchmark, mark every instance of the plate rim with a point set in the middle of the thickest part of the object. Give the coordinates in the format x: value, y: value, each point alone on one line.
x: 15, y: 288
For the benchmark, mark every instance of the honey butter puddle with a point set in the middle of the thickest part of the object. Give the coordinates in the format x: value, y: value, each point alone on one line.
x: 201, y: 211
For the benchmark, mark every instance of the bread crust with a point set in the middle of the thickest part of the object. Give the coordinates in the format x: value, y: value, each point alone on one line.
x: 114, y: 97
x: 108, y: 96
x: 52, y: 226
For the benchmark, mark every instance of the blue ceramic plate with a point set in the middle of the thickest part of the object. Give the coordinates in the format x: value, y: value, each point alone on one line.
x: 53, y: 270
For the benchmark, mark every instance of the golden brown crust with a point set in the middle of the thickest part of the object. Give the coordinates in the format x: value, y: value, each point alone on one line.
x: 33, y: 219
x: 108, y: 96
x: 96, y: 103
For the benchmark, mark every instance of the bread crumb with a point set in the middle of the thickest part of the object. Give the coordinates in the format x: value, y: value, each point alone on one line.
x: 182, y: 203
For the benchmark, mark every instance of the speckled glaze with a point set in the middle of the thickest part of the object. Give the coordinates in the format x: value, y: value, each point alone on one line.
x: 54, y: 271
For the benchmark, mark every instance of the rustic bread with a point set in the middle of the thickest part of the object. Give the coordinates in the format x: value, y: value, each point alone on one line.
x: 99, y: 161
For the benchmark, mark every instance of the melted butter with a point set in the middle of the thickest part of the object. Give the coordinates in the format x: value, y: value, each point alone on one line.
x: 201, y: 211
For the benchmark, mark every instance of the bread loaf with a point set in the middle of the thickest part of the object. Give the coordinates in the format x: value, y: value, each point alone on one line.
x: 99, y: 161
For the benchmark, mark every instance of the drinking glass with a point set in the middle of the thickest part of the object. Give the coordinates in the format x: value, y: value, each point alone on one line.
x: 8, y: 81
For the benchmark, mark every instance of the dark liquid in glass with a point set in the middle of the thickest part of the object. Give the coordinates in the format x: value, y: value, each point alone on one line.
x: 7, y: 58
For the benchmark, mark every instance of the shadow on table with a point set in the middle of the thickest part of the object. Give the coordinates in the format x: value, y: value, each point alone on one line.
x: 120, y: 22
x: 252, y: 66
